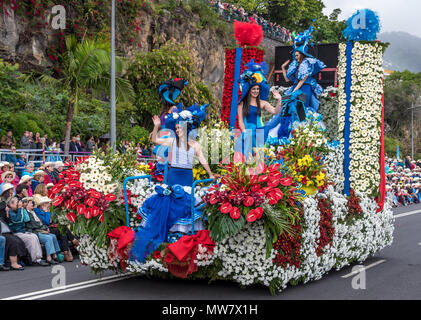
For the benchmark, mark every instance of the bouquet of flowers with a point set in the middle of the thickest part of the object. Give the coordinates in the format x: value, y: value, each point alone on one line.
x: 247, y: 194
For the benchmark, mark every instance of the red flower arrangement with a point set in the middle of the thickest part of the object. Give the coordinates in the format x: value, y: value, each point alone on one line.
x: 354, y: 208
x: 70, y: 195
x: 325, y: 224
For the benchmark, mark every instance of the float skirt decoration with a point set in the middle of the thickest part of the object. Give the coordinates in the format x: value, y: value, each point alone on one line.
x: 235, y: 61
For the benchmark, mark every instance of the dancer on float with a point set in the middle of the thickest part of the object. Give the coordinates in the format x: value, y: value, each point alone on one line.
x: 162, y: 210
x: 168, y: 92
x: 254, y: 93
x: 302, y: 97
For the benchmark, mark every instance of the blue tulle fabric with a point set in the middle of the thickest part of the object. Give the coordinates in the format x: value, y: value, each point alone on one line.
x: 163, y: 209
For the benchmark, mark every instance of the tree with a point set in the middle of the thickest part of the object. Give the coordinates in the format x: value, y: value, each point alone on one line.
x: 86, y: 66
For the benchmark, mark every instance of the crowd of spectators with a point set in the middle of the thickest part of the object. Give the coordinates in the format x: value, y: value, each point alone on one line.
x: 403, y: 181
x: 28, y: 233
x: 230, y: 12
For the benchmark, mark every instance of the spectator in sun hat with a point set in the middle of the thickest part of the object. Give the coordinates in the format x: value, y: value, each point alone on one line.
x: 7, y: 177
x: 4, y: 166
x: 58, y: 168
x: 15, y: 181
x: 6, y: 191
x: 37, y: 178
x: 49, y: 177
x: 26, y: 180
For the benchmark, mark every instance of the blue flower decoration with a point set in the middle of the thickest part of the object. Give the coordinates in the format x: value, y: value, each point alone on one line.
x: 364, y: 25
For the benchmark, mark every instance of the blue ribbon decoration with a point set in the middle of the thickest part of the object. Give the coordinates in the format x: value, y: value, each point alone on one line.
x: 347, y: 128
x: 235, y: 87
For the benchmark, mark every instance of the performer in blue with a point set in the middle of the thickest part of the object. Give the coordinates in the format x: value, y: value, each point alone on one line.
x: 302, y: 97
x: 162, y: 210
x: 254, y: 93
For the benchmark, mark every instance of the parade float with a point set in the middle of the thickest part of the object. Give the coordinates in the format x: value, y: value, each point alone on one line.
x: 312, y: 204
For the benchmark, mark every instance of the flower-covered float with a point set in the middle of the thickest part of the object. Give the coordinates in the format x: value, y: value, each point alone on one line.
x: 304, y: 206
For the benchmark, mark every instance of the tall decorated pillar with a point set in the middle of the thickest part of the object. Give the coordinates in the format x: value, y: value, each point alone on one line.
x: 249, y: 36
x: 361, y: 106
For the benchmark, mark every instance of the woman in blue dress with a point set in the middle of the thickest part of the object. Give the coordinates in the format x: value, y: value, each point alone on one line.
x: 162, y: 210
x: 302, y: 97
x: 254, y: 93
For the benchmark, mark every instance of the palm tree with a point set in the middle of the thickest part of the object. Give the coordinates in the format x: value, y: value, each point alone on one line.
x: 86, y: 65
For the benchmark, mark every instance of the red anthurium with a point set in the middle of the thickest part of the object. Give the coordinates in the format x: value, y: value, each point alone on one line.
x: 88, y: 213
x: 225, y: 208
x: 235, y: 213
x: 95, y: 194
x: 255, y: 188
x: 273, y: 182
x: 95, y: 211
x: 110, y: 197
x: 57, y: 188
x: 101, y: 217
x: 80, y: 209
x: 266, y: 189
x: 261, y: 168
x: 263, y: 178
x: 58, y: 201
x: 276, y: 175
x: 68, y: 164
x: 253, y: 179
x: 71, y: 216
x: 274, y: 167
x: 252, y: 215
x: 286, y: 181
x: 73, y: 184
x: 248, y: 202
x: 279, y: 193
x: 90, y: 202
x: 213, y: 199
x: 259, y: 211
x: 232, y: 195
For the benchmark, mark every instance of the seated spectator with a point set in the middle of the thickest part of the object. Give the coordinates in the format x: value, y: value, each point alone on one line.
x: 58, y: 168
x: 42, y: 211
x: 7, y: 177
x: 37, y: 178
x: 26, y: 180
x: 18, y: 220
x: 49, y: 177
x: 29, y: 169
x: 14, y: 248
x: 22, y: 191
x: 17, y: 178
x: 2, y: 252
x: 36, y: 226
x: 4, y: 166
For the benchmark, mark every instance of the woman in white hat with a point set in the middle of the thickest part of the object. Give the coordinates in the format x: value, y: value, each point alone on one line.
x: 18, y: 226
x: 8, y: 177
x: 27, y: 181
x: 37, y: 178
x: 43, y: 212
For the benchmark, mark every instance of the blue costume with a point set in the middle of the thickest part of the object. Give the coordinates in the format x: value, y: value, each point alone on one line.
x: 169, y: 209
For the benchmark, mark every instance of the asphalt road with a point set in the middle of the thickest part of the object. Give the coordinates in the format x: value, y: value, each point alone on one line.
x: 392, y: 274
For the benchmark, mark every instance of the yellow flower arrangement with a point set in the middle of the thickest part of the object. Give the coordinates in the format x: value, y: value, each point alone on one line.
x: 144, y: 168
x: 199, y: 173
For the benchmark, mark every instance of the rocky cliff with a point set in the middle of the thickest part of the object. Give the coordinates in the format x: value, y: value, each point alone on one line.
x: 20, y: 43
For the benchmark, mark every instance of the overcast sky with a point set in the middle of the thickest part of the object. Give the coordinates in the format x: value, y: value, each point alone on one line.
x: 402, y: 15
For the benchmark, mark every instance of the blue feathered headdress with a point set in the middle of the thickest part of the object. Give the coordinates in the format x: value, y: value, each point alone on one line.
x: 171, y: 89
x: 301, y: 42
x: 254, y: 74
x: 364, y: 25
x: 193, y: 116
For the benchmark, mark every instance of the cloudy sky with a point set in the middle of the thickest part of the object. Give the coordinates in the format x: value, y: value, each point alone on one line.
x: 395, y: 15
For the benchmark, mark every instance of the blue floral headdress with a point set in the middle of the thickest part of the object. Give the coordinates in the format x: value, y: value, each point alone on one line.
x: 192, y: 116
x: 254, y: 74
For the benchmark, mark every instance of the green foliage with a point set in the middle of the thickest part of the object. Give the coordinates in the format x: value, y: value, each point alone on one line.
x: 390, y: 146
x: 222, y: 226
x: 148, y: 70
x: 40, y: 108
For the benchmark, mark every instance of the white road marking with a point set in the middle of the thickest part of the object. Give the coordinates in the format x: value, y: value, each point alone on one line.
x: 364, y: 268
x: 68, y: 288
x: 407, y: 214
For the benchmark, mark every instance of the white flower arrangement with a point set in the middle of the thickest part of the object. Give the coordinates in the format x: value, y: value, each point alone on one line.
x: 365, y: 115
x: 94, y: 175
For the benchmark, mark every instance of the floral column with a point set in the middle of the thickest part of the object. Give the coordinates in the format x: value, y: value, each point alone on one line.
x: 360, y: 110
